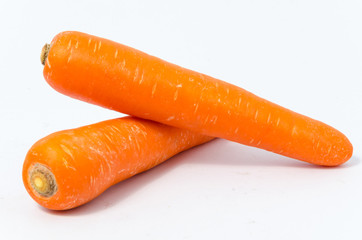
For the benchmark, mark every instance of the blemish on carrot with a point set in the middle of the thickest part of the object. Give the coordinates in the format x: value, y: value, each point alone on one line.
x: 329, y: 149
x: 170, y: 118
x: 67, y: 150
x: 106, y: 135
x: 278, y: 121
x: 123, y: 63
x: 206, y: 119
x: 268, y: 120
x: 154, y: 89
x: 48, y: 63
x: 91, y: 182
x: 137, y: 144
x: 116, y: 54
x: 196, y: 107
x: 69, y: 44
x: 214, y: 119
x: 115, y: 129
x: 67, y: 165
x: 135, y: 74
x: 141, y: 78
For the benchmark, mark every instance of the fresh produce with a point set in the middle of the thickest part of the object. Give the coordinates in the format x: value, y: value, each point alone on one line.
x: 121, y: 78
x: 69, y: 168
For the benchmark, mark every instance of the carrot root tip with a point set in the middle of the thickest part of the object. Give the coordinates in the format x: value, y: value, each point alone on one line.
x: 42, y: 180
x: 44, y: 53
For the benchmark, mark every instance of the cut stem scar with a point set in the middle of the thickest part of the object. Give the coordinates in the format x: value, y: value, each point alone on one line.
x: 42, y: 180
x: 44, y: 53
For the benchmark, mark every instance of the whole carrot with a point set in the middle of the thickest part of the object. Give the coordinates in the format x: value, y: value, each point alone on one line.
x: 69, y: 168
x: 121, y: 78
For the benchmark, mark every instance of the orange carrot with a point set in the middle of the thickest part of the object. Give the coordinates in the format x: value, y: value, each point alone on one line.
x: 121, y: 78
x: 69, y: 168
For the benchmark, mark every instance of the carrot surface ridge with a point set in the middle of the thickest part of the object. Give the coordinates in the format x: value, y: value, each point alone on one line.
x: 69, y: 168
x: 121, y: 78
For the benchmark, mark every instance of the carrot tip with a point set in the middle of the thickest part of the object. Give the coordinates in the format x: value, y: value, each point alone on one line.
x: 42, y: 180
x: 44, y: 53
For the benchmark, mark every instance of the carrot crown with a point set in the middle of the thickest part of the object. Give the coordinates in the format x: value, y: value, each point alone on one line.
x: 42, y: 180
x: 44, y: 53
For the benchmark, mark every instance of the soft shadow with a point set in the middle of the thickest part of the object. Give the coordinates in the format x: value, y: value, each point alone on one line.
x: 223, y: 152
x: 217, y: 152
x: 111, y: 196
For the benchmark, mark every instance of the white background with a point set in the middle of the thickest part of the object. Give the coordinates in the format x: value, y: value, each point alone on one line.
x: 304, y: 55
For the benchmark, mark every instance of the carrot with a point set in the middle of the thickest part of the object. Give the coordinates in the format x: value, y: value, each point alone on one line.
x: 121, y: 78
x: 69, y: 168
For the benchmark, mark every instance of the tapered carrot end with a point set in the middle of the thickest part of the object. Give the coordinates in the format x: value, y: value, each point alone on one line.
x: 346, y: 152
x: 339, y: 154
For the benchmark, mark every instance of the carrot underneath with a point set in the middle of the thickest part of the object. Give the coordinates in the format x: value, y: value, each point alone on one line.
x: 69, y: 168
x: 121, y: 78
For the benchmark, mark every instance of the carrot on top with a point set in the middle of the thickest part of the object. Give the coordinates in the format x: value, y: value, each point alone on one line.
x: 124, y: 79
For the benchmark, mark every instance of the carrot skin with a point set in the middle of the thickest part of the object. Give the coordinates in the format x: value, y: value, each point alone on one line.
x: 124, y: 79
x: 86, y: 161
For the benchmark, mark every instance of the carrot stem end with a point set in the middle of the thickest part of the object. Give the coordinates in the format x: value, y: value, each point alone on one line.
x: 44, y: 53
x: 42, y: 180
